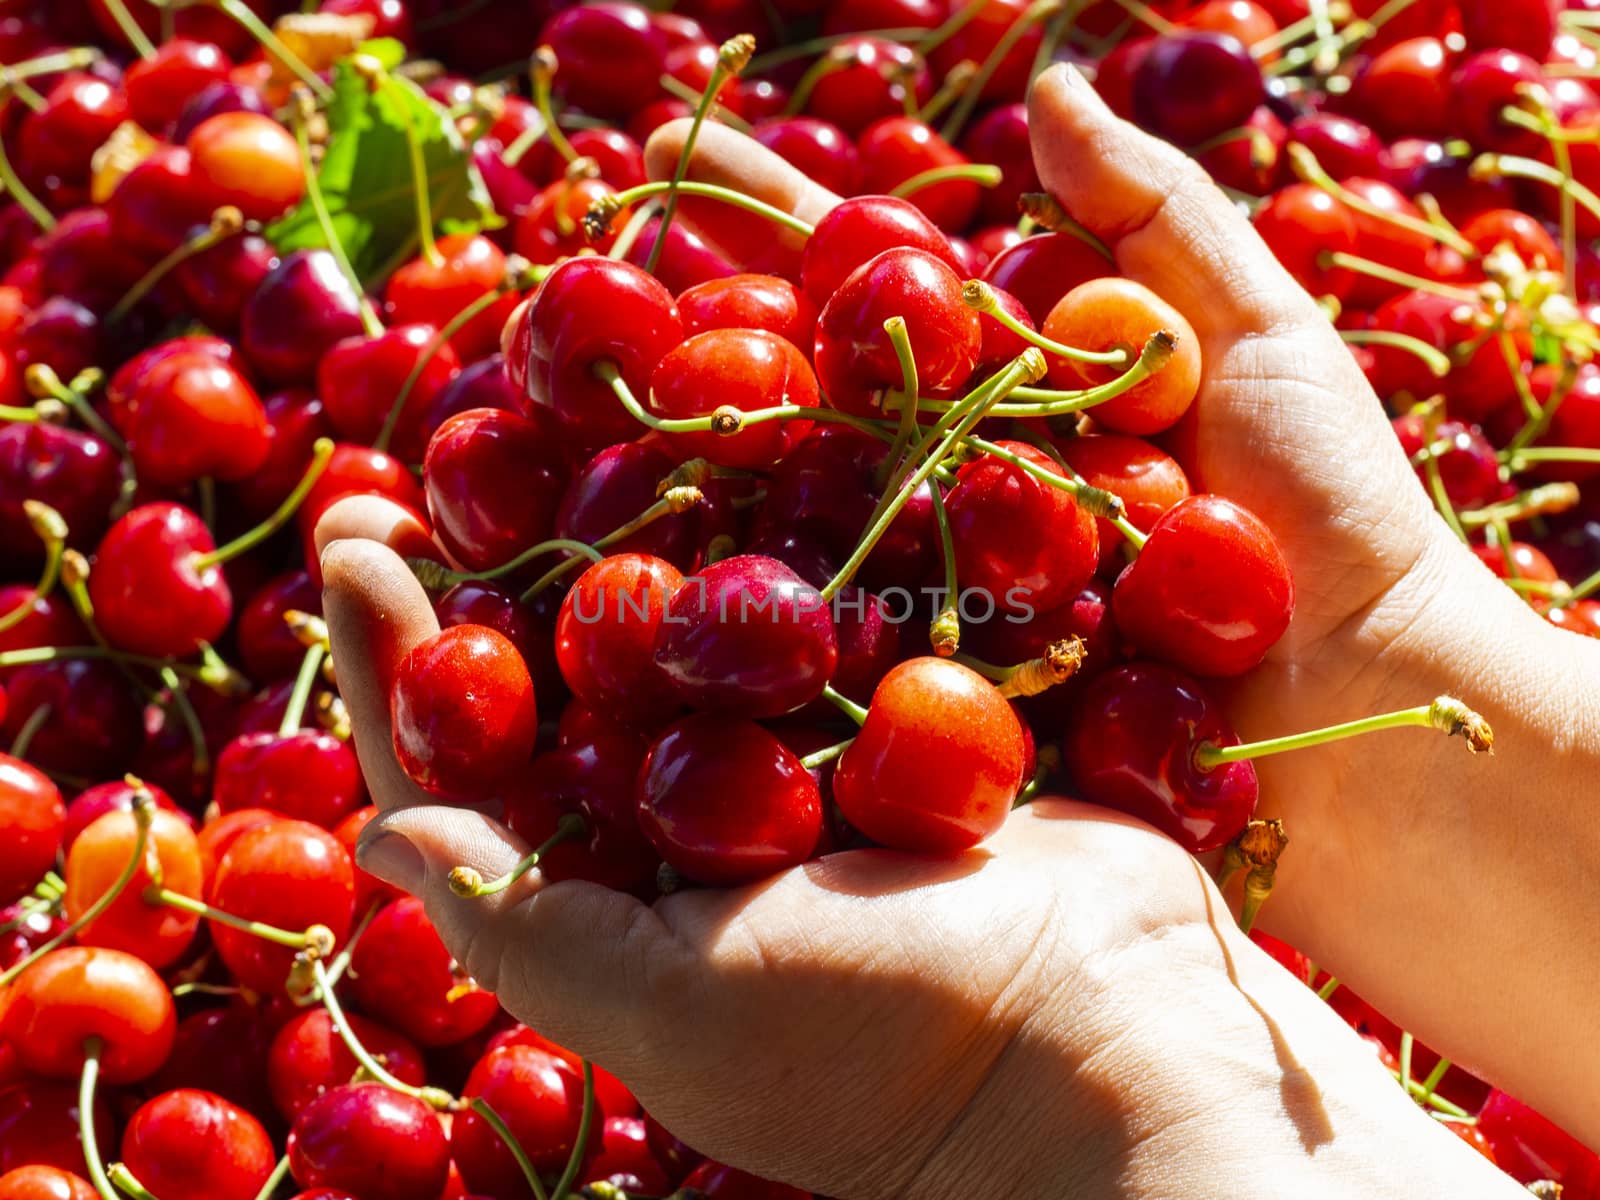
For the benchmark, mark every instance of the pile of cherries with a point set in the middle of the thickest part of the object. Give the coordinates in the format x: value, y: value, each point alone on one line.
x: 747, y: 544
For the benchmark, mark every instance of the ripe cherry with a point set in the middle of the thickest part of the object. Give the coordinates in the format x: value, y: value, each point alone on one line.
x: 1193, y: 86
x: 539, y: 1096
x: 625, y: 1159
x: 267, y: 647
x: 308, y: 775
x: 223, y: 1050
x: 1405, y: 89
x: 193, y: 1145
x: 1000, y: 137
x: 300, y: 310
x: 37, y: 1182
x: 159, y: 86
x: 894, y: 149
x: 865, y: 78
x: 39, y: 1124
x: 1108, y: 314
x: 152, y: 592
x: 81, y: 992
x: 33, y: 820
x: 404, y: 977
x: 463, y: 711
x: 1467, y: 464
x: 750, y: 302
x: 1039, y: 270
x: 859, y: 229
x: 1525, y: 27
x: 1529, y: 1146
x: 747, y: 369
x: 530, y: 627
x: 1300, y: 224
x: 372, y: 1141
x: 370, y: 890
x: 1210, y: 590
x: 249, y: 161
x: 1148, y: 479
x: 725, y: 802
x: 610, y: 58
x: 157, y: 933
x: 937, y: 763
x: 360, y: 378
x: 1129, y: 745
x: 1482, y: 87
x: 606, y: 636
x: 423, y: 292
x: 79, y: 114
x: 820, y: 149
x: 77, y: 474
x: 309, y: 1057
x: 191, y: 415
x: 217, y: 281
x: 95, y: 724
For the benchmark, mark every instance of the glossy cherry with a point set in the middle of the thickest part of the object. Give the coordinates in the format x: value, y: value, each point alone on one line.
x: 157, y: 933
x: 463, y: 711
x: 308, y: 1057
x: 1130, y: 743
x: 33, y: 820
x: 1466, y: 461
x: 424, y: 292
x: 625, y: 1159
x: 36, y: 1182
x: 1193, y: 86
x: 1148, y: 479
x: 615, y: 487
x: 360, y: 378
x: 820, y: 149
x: 721, y: 1182
x: 539, y: 1096
x: 300, y: 310
x: 606, y: 637
x: 150, y: 594
x: 249, y: 161
x: 190, y: 415
x: 750, y: 302
x: 859, y: 229
x: 309, y: 775
x: 866, y: 78
x: 1482, y: 87
x: 1039, y: 270
x: 1300, y: 224
x: 223, y: 1050
x: 894, y: 149
x: 1529, y: 1146
x: 77, y: 474
x: 406, y: 978
x: 193, y: 1145
x: 610, y: 57
x: 372, y: 1141
x: 747, y: 369
x: 96, y: 721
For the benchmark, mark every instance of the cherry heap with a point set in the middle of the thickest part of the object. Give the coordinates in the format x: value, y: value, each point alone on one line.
x: 751, y: 539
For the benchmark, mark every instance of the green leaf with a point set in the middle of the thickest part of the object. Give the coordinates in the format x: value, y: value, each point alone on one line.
x: 366, y: 176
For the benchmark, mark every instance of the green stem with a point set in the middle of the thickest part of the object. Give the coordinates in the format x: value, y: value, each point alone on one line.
x: 1365, y: 266
x: 1407, y: 1045
x: 1433, y: 1100
x: 127, y: 1183
x: 929, y: 41
x: 270, y: 42
x: 435, y: 1097
x: 52, y: 531
x: 980, y: 296
x: 466, y: 882
x: 1517, y: 167
x: 142, y: 45
x: 279, y: 1174
x: 420, y: 185
x: 1437, y: 361
x: 710, y: 191
x: 481, y: 1106
x: 1441, y: 496
x: 982, y: 174
x: 580, y: 1148
x: 200, y: 763
x: 310, y: 665
x: 434, y: 576
x: 319, y: 207
x: 540, y: 74
x: 844, y: 704
x: 41, y: 378
x: 662, y: 507
x: 30, y: 728
x: 827, y: 754
x: 188, y: 904
x: 1030, y: 16
x: 1519, y: 459
x: 321, y: 452
x: 1309, y: 169
x: 93, y: 1048
x: 945, y: 632
x: 19, y: 192
x: 1444, y: 714
x: 1326, y: 991
x: 910, y: 385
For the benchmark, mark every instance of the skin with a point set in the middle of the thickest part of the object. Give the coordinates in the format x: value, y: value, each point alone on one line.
x: 876, y: 1024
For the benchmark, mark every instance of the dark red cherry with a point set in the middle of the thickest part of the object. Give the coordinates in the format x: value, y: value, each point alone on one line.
x: 494, y: 480
x: 77, y: 474
x: 221, y: 97
x: 309, y: 775
x: 1526, y: 27
x: 406, y: 978
x: 606, y: 636
x: 866, y: 78
x: 359, y: 380
x: 372, y: 1141
x: 1193, y: 86
x: 39, y: 1125
x: 539, y: 1096
x: 79, y: 113
x: 591, y: 310
x: 1000, y: 137
x: 194, y: 1145
x: 1404, y: 89
x: 1215, y: 594
x: 937, y: 763
x: 300, y: 310
x: 823, y: 151
x: 1252, y: 159
x: 1130, y: 743
x: 83, y: 259
x: 725, y: 802
x: 1530, y: 1146
x: 529, y: 627
x: 859, y: 229
x: 1467, y: 464
x: 482, y: 384
x: 158, y: 87
x: 308, y: 1057
x: 390, y: 18
x: 747, y: 635
x: 609, y: 57
x: 1482, y: 87
x: 720, y: 1182
x: 894, y: 149
x: 625, y: 1156
x: 96, y: 721
x: 1021, y: 544
x: 150, y: 594
x: 60, y: 333
x: 750, y: 302
x: 612, y: 489
x: 1039, y: 270
x: 217, y: 281
x: 267, y: 647
x: 1342, y: 145
x: 688, y: 259
x: 1016, y: 640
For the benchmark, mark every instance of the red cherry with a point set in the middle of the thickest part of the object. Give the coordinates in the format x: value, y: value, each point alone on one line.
x: 1528, y: 1146
x: 728, y: 1183
x: 748, y: 369
x: 309, y: 1057
x: 1022, y: 544
x: 1405, y: 89
x: 1481, y: 88
x: 300, y: 310
x: 1000, y: 137
x: 27, y: 929
x: 32, y: 821
x: 859, y: 229
x: 1194, y: 86
x: 82, y: 259
x: 81, y: 992
x: 895, y: 149
x: 360, y: 378
x: 822, y: 150
x: 158, y: 87
x: 540, y: 1098
x: 625, y: 1159
x: 1525, y: 561
x: 1526, y: 26
x: 1342, y: 145
x: 309, y: 775
x: 406, y: 978
x: 463, y: 711
x: 192, y: 415
x: 1130, y: 745
x: 357, y: 469
x: 223, y: 1050
x: 267, y: 648
x: 866, y: 78
x: 1214, y: 595
x: 1148, y: 479
x: 937, y: 762
x: 1039, y: 270
x: 432, y: 293
x: 390, y: 18
x: 606, y: 635
x: 39, y: 1124
x: 44, y: 1183
x: 370, y: 890
x: 1523, y: 233
x: 610, y: 57
x: 284, y: 873
x: 192, y: 1145
x: 1467, y: 464
x: 611, y: 1096
x: 79, y: 114
x: 1302, y: 222
x: 529, y: 627
x: 95, y: 722
x: 157, y: 933
x: 217, y: 281
x: 750, y: 302
x: 688, y: 259
x: 550, y: 226
x: 77, y: 474
x: 372, y: 1141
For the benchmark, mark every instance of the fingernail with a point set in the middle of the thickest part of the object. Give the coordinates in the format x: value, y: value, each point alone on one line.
x: 1073, y: 75
x: 392, y: 859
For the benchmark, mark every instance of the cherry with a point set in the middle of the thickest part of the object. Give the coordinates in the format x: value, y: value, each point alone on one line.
x: 1021, y: 543
x: 747, y: 635
x: 865, y: 78
x: 426, y: 292
x: 1130, y: 745
x: 820, y: 149
x: 591, y: 310
x: 357, y: 469
x: 359, y: 379
x: 249, y: 161
x: 859, y: 229
x: 217, y: 281
x: 95, y: 723
x: 81, y: 992
x: 268, y: 648
x: 390, y: 18
x: 1108, y: 314
x: 611, y: 1096
x: 937, y: 762
x: 610, y: 57
x: 746, y: 369
x: 1342, y: 146
x: 370, y: 890
x: 157, y: 933
x: 1467, y: 464
x: 1528, y: 1146
x: 550, y: 227
x: 1416, y: 165
x: 463, y: 711
x: 1494, y: 227
x: 192, y: 415
x: 687, y: 259
x: 606, y: 636
x: 894, y: 149
x: 1575, y: 422
x: 223, y: 1050
x: 83, y: 259
x: 616, y: 486
x: 80, y: 112
x: 1526, y: 27
x: 1582, y: 618
x: 405, y: 977
x: 625, y: 1159
x: 193, y: 1145
x: 60, y: 333
x: 300, y: 310
x: 750, y: 302
x: 594, y: 778
x: 283, y: 873
x: 539, y: 1095
x: 217, y: 836
x: 151, y: 593
x: 308, y: 775
x: 529, y: 627
x: 30, y: 928
x: 1523, y: 562
x: 482, y: 384
x: 158, y: 87
x: 372, y: 1141
x: 855, y: 358
x: 1087, y: 616
x: 308, y: 1058
x: 44, y: 1183
x: 494, y: 480
x: 1040, y: 269
x: 1482, y: 87
x: 1149, y: 481
x: 1193, y: 86
x: 33, y: 819
x: 1300, y: 224
x: 721, y: 1182
x: 1405, y: 89
x: 223, y: 96
x: 40, y: 1125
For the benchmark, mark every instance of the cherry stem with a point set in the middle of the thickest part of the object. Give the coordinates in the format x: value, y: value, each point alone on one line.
x: 310, y: 665
x: 208, y: 675
x: 321, y: 452
x: 270, y: 933
x: 732, y: 57
x: 1045, y: 211
x: 127, y: 1183
x: 435, y: 576
x: 13, y: 185
x: 1096, y: 501
x: 1490, y: 166
x: 542, y: 70
x: 606, y: 209
x: 319, y: 207
x: 827, y: 754
x: 1440, y: 494
x: 982, y: 174
x: 1437, y: 361
x: 1545, y: 500
x: 52, y: 531
x: 956, y: 81
x: 944, y: 634
x: 1326, y: 991
x: 50, y: 64
x: 468, y: 882
x: 1030, y: 16
x: 1307, y: 167
x: 900, y: 339
x: 1518, y: 460
x: 844, y: 704
x: 200, y: 763
x: 1365, y: 266
x: 1433, y: 1101
x: 341, y: 961
x: 930, y: 40
x: 93, y: 1048
x: 1445, y: 714
x: 569, y: 1176
x: 142, y: 806
x: 682, y: 91
x: 675, y: 500
x: 270, y: 42
x: 43, y: 383
x: 1435, y: 1077
x: 820, y: 45
x: 225, y: 222
x: 279, y: 1174
x: 481, y: 1106
x: 836, y: 58
x: 436, y: 1098
x: 978, y: 295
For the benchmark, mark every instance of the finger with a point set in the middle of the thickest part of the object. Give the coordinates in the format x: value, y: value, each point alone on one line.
x: 1169, y: 226
x: 376, y: 612
x: 589, y: 967
x: 729, y: 159
x: 376, y: 519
